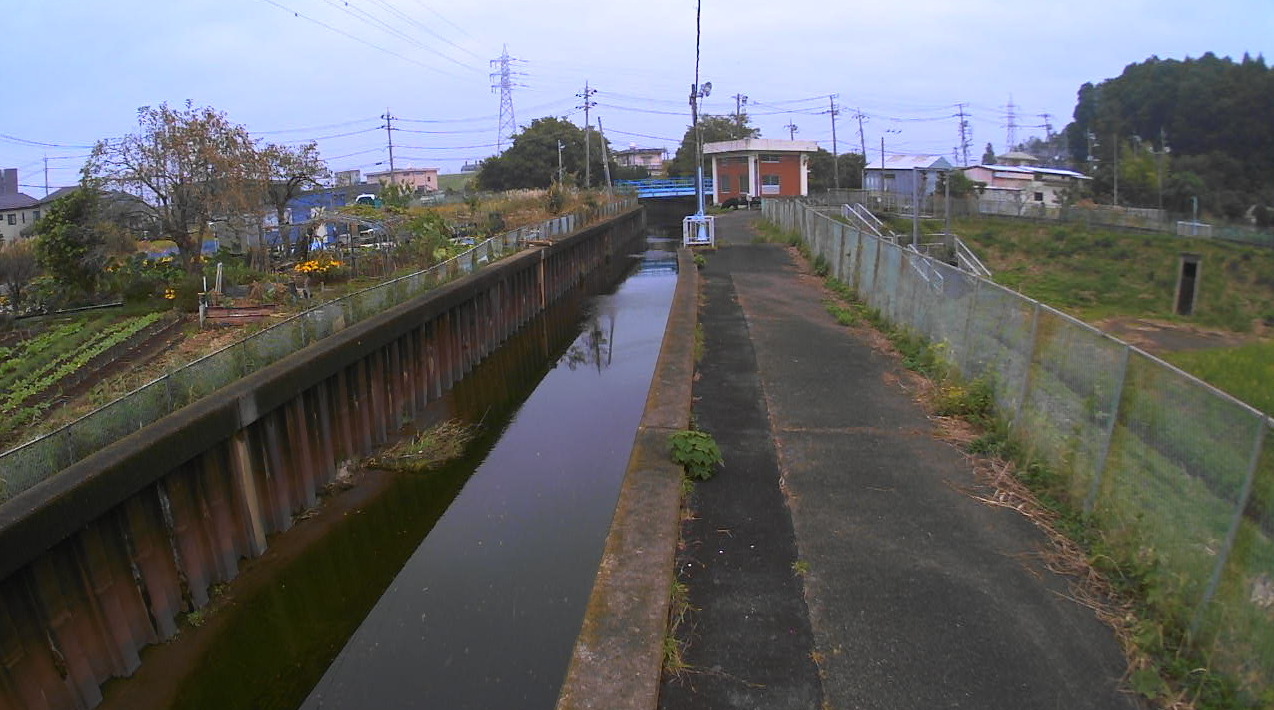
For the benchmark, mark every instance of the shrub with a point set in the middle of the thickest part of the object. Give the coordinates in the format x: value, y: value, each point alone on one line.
x: 697, y: 452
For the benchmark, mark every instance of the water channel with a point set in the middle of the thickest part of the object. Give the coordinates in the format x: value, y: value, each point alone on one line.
x: 464, y: 587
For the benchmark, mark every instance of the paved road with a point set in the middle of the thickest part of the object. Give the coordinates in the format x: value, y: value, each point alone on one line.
x: 913, y: 595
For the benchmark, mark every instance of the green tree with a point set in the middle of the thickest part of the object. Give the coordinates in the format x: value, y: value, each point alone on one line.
x: 712, y: 129
x: 988, y: 155
x: 1216, y: 114
x: 396, y: 194
x: 822, y: 177
x: 17, y: 268
x: 531, y: 161
x: 188, y: 165
x: 66, y: 244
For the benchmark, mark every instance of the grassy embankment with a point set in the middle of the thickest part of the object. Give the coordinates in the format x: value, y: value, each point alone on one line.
x: 1101, y: 274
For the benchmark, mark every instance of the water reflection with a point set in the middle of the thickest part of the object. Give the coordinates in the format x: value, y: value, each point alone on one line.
x: 485, y: 611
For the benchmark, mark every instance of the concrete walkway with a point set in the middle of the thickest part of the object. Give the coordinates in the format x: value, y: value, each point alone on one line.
x: 912, y: 595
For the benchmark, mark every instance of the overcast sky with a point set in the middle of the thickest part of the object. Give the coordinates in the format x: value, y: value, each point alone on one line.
x: 77, y: 70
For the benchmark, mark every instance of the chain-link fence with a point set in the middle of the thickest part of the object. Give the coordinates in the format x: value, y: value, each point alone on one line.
x: 935, y: 207
x: 1177, y: 474
x: 27, y: 465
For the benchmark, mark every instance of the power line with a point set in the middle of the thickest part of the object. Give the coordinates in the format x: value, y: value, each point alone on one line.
x: 368, y: 18
x: 413, y: 21
x: 326, y: 127
x: 360, y: 40
x: 39, y: 144
x: 644, y: 135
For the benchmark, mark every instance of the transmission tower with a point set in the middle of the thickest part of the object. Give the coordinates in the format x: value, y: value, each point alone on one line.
x: 1011, y: 125
x: 966, y: 135
x: 502, y: 79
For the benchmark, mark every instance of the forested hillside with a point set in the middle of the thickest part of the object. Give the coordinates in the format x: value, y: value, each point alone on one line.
x: 1214, y: 115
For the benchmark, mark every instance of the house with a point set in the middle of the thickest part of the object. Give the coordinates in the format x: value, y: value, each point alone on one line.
x: 418, y: 179
x: 348, y: 177
x: 900, y: 173
x: 18, y: 211
x: 1025, y: 183
x: 759, y: 167
x: 651, y: 159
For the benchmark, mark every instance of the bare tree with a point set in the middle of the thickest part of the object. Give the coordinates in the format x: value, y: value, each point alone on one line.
x: 188, y: 165
x: 287, y: 173
x: 17, y: 268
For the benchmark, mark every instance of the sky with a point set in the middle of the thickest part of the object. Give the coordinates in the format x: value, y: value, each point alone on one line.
x: 291, y: 70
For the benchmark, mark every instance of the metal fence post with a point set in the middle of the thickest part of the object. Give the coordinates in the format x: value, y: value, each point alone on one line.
x: 1026, y: 376
x: 1091, y: 499
x: 964, y: 332
x: 1224, y: 556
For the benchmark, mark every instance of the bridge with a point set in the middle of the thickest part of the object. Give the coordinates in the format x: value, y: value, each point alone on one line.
x: 664, y: 187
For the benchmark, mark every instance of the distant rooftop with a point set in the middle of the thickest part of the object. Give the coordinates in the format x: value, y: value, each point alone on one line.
x: 1029, y: 169
x: 908, y: 162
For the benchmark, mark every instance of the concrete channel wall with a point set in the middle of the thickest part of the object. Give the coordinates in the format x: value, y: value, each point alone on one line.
x: 103, y: 558
x: 618, y: 656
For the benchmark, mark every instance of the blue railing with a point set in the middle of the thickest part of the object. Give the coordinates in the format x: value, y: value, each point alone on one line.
x: 664, y: 187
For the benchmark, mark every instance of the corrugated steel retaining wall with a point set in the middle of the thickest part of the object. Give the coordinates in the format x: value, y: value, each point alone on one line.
x: 100, y: 560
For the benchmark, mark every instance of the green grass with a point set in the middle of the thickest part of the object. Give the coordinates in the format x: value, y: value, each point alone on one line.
x: 1094, y: 274
x: 455, y: 181
x: 1245, y: 371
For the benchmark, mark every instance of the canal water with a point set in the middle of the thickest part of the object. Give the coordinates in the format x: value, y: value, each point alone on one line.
x: 465, y: 587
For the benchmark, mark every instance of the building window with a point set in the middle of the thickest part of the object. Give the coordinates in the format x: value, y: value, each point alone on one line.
x: 13, y: 218
x: 769, y: 184
x: 1039, y: 197
x: 743, y: 183
x: 35, y: 215
x: 770, y: 157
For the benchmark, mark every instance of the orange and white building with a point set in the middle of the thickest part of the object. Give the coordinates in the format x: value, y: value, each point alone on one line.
x: 759, y: 167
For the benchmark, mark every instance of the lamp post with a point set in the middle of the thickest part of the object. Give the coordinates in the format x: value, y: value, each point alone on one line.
x: 698, y: 93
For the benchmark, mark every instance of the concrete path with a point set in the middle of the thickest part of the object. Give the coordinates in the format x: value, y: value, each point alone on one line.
x: 913, y: 595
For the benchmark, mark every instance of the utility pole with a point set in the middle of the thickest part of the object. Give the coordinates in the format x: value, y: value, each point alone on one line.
x: 1116, y: 202
x: 588, y: 126
x: 915, y: 208
x: 559, y: 163
x: 601, y: 133
x: 862, y: 145
x: 46, y: 176
x: 389, y: 133
x: 1163, y: 148
x: 1011, y: 135
x: 1048, y: 124
x: 834, y: 111
x: 966, y: 135
x: 791, y: 131
x: 740, y: 100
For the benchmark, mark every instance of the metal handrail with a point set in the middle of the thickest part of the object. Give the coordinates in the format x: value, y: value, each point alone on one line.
x: 969, y: 261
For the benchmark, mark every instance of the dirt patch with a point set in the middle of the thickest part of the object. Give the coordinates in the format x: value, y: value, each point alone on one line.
x: 1158, y: 337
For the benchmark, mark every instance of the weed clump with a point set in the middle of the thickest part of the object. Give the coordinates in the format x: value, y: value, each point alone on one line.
x: 427, y: 450
x: 697, y: 452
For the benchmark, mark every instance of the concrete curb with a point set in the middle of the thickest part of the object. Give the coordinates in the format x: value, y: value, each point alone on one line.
x: 617, y: 660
